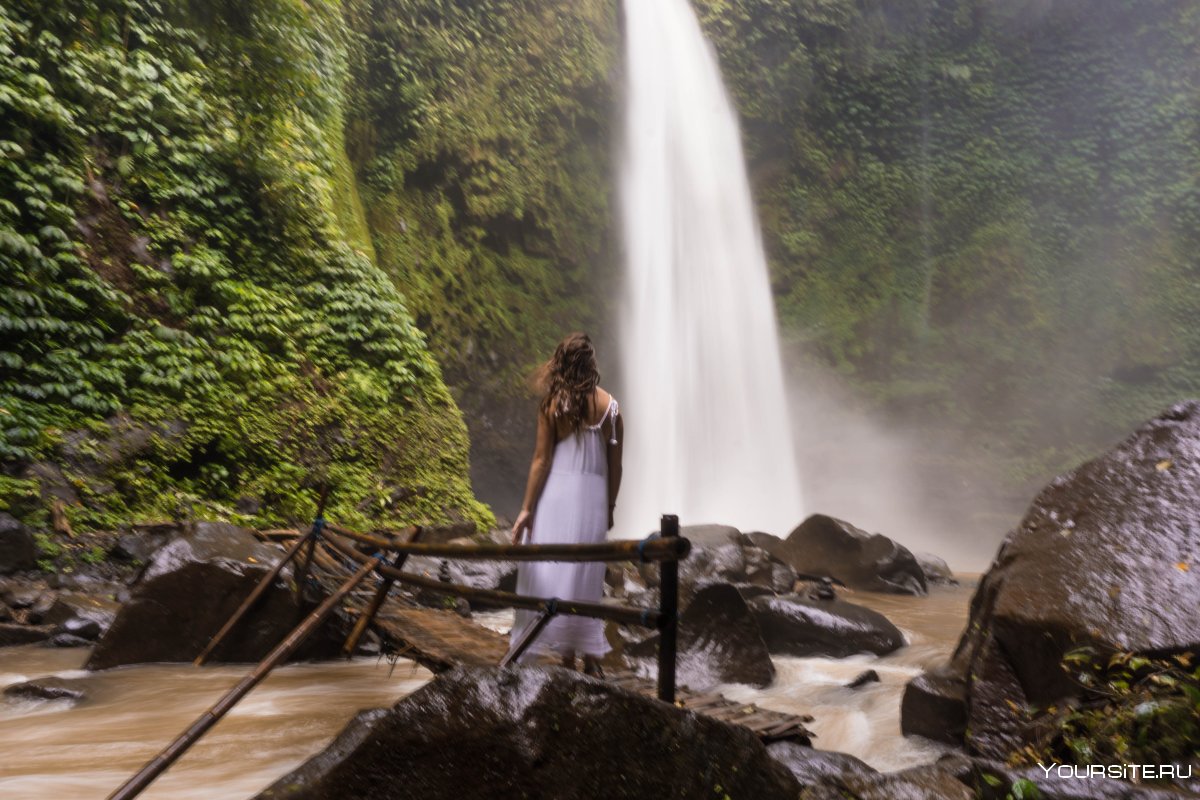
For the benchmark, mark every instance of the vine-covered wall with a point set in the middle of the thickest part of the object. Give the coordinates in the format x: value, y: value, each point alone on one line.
x: 984, y: 215
x: 194, y: 323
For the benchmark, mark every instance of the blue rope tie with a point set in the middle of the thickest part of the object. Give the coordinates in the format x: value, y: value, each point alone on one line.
x: 318, y: 526
x: 641, y: 550
x: 646, y: 618
x: 552, y: 606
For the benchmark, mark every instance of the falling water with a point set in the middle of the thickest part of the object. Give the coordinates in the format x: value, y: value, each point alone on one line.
x: 710, y: 437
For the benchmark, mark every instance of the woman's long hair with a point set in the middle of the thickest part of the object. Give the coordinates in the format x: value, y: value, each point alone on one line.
x: 568, y: 380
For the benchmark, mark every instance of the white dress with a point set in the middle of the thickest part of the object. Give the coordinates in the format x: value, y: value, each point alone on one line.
x: 573, y: 509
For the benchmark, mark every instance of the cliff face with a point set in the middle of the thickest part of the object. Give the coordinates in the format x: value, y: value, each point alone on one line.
x: 195, y: 321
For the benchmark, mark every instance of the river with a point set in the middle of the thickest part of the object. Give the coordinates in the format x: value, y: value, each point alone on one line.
x: 54, y: 750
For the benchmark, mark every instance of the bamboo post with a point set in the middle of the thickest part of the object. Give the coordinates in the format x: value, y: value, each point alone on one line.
x: 668, y: 621
x: 313, y: 535
x: 372, y: 608
x: 159, y: 764
x: 528, y: 637
x: 249, y: 602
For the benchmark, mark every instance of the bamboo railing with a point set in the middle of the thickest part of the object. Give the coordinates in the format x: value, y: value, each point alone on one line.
x: 666, y: 548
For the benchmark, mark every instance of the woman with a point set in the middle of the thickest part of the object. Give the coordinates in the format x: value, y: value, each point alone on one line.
x: 570, y: 497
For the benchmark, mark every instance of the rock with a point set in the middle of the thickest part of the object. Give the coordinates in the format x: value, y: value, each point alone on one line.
x: 936, y: 569
x: 17, y: 549
x: 710, y: 535
x: 12, y: 633
x: 62, y: 639
x: 863, y: 678
x: 734, y: 561
x: 143, y: 540
x: 822, y: 545
x: 535, y: 733
x: 191, y: 586
x: 48, y: 688
x: 795, y: 626
x: 23, y: 596
x: 994, y: 781
x: 36, y: 613
x: 935, y: 706
x: 1106, y: 556
x: 928, y: 782
x: 496, y: 575
x: 718, y: 642
x: 812, y: 767
x: 82, y: 615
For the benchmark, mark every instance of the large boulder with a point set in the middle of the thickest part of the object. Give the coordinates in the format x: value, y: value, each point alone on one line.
x: 796, y: 626
x: 17, y: 548
x: 934, y: 705
x: 812, y: 767
x: 718, y: 642
x: 83, y: 615
x: 822, y: 545
x: 720, y: 554
x: 191, y: 586
x: 487, y: 733
x: 1107, y: 555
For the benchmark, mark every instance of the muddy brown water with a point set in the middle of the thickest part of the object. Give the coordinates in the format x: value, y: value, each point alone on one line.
x: 51, y: 750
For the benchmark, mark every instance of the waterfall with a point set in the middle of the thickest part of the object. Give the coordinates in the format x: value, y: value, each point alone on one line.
x: 709, y: 436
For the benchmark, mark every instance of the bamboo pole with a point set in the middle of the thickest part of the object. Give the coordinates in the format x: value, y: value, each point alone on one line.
x: 623, y: 614
x: 249, y: 602
x: 624, y: 550
x: 527, y: 638
x: 372, y: 608
x: 668, y: 622
x: 159, y: 764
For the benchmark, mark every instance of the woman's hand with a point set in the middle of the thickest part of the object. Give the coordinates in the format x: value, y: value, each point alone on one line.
x: 524, y: 523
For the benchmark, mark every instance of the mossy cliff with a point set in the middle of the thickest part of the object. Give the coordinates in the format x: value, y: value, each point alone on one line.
x: 984, y: 215
x: 194, y: 321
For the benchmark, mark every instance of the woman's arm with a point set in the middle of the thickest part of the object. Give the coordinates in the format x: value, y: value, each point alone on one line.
x: 539, y: 469
x: 614, y: 464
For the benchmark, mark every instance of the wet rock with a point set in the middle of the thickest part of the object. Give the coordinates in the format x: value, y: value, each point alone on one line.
x: 494, y: 575
x: 718, y: 642
x: 48, y: 688
x: 623, y: 580
x: 724, y: 556
x: 36, y: 613
x: 822, y: 545
x: 191, y: 586
x: 812, y: 767
x: 795, y: 626
x: 1092, y: 562
x: 143, y: 541
x: 936, y: 570
x: 82, y: 615
x: 710, y: 535
x: 863, y: 678
x: 935, y: 706
x: 62, y: 639
x: 17, y: 549
x: 14, y: 633
x: 928, y: 782
x: 535, y: 733
x: 22, y: 596
x: 994, y: 781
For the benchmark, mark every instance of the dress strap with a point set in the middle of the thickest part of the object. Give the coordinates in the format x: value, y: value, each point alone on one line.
x: 611, y: 416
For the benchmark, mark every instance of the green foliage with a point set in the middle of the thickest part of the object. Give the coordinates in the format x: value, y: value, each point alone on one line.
x: 983, y: 214
x: 176, y: 246
x: 1136, y: 710
x: 481, y: 135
